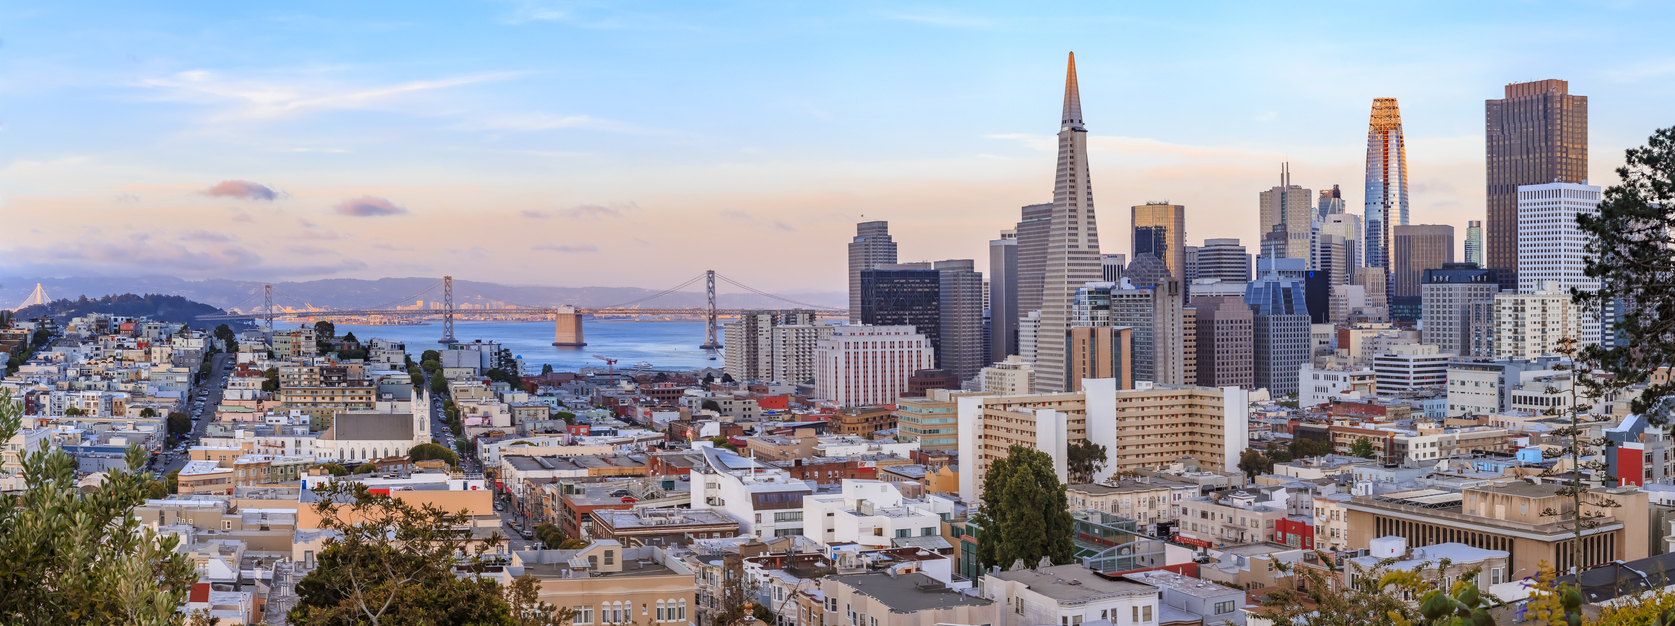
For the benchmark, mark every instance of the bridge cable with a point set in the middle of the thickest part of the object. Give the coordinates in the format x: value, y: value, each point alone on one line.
x: 658, y: 294
x: 769, y: 295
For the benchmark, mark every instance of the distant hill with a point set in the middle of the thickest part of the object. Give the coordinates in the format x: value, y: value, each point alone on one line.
x: 349, y: 293
x: 154, y: 306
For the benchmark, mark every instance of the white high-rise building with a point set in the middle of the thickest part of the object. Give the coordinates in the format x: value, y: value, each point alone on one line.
x: 861, y: 365
x: 1550, y: 244
x: 1072, y: 241
x: 1524, y: 325
x: 793, y: 351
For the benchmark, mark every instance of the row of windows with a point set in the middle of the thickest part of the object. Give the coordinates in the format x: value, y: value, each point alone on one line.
x: 623, y: 612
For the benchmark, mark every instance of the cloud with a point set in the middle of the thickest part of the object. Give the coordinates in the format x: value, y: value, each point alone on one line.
x: 368, y: 206
x: 542, y: 121
x: 1266, y: 116
x: 1039, y: 143
x: 943, y: 19
x: 391, y: 248
x: 241, y: 189
x: 309, y: 250
x: 127, y: 198
x: 584, y: 211
x: 207, y: 236
x: 257, y: 98
x: 551, y: 247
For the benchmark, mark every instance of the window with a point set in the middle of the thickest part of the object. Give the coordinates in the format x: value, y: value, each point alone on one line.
x: 610, y: 557
x: 1146, y: 613
x: 927, y: 531
x: 903, y: 532
x: 1020, y: 609
x: 660, y: 611
x: 681, y: 617
x: 593, y: 562
x: 584, y: 614
x: 1224, y: 607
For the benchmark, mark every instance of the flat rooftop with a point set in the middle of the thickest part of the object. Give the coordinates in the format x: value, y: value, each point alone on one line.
x: 907, y: 593
x: 1072, y: 583
x: 1194, y: 587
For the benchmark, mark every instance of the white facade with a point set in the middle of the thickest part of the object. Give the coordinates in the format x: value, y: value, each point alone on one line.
x: 794, y: 346
x: 1412, y: 366
x: 1550, y: 243
x: 765, y: 500
x: 862, y: 365
x: 1529, y: 325
x: 871, y: 513
x: 1071, y: 594
x: 1011, y: 377
x: 1317, y: 386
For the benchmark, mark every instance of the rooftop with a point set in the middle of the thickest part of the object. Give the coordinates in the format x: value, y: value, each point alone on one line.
x: 1072, y: 583
x: 907, y: 593
x: 1195, y: 587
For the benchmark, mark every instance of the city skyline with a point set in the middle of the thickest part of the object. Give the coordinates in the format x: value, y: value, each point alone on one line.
x: 268, y: 145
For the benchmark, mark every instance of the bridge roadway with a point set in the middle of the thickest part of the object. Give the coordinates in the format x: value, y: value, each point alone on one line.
x: 700, y: 312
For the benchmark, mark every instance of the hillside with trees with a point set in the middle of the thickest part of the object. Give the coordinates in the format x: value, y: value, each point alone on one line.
x: 157, y: 307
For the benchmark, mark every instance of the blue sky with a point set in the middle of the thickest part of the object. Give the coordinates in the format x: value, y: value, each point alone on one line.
x: 637, y: 144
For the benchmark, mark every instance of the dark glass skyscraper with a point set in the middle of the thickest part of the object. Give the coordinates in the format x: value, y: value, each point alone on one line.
x: 1537, y: 134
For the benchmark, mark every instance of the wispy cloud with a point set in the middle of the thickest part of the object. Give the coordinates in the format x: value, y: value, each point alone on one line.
x: 744, y: 216
x: 207, y: 235
x: 584, y: 211
x: 943, y: 19
x: 533, y: 122
x: 368, y: 206
x: 241, y: 189
x: 256, y: 98
x: 567, y: 248
x: 1041, y: 143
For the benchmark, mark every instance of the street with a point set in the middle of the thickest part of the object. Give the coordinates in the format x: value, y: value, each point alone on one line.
x: 215, y: 384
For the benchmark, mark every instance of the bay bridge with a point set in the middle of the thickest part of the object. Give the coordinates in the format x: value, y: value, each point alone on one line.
x: 567, y: 319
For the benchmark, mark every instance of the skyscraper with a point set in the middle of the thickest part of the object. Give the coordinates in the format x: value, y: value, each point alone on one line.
x: 1348, y: 226
x: 1331, y: 203
x: 1160, y: 230
x: 1448, y: 294
x: 1418, y: 248
x: 1474, y: 242
x: 961, y: 349
x: 1223, y: 259
x: 1550, y: 243
x: 1032, y: 268
x: 870, y: 248
x: 1280, y: 341
x: 1537, y: 134
x: 1154, y: 314
x: 904, y: 294
x: 1003, y: 297
x: 1386, y: 199
x: 1111, y: 266
x: 1223, y: 326
x: 1285, y: 209
x: 1073, y: 239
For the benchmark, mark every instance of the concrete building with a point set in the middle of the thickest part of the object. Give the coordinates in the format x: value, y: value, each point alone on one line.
x: 1223, y: 259
x: 1280, y: 335
x: 932, y: 420
x: 1189, y: 345
x: 1386, y: 197
x: 1003, y: 297
x: 1550, y: 244
x: 1418, y: 248
x: 910, y: 598
x: 1411, y: 367
x: 1224, y: 327
x: 751, y: 345
x: 1446, y: 297
x: 871, y: 513
x: 1204, y: 423
x: 607, y: 583
x: 1011, y: 377
x: 1111, y: 267
x: 1348, y: 227
x: 1287, y: 209
x: 1100, y: 352
x: 1319, y: 386
x: 959, y: 348
x: 793, y: 351
x: 1536, y: 134
x: 1524, y: 325
x: 1153, y: 313
x: 1033, y: 229
x: 765, y: 500
x: 1073, y: 241
x: 1070, y: 594
x: 871, y: 248
x: 862, y: 365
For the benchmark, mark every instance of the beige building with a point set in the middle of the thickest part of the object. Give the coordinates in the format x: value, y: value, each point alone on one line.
x: 1012, y: 377
x: 932, y: 420
x: 1101, y: 352
x: 1233, y: 517
x: 1529, y: 325
x: 1149, y: 427
x: 605, y: 583
x: 1068, y: 595
x: 1144, y: 502
x: 908, y: 599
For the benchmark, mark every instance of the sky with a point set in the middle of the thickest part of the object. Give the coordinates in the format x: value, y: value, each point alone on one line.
x: 637, y: 144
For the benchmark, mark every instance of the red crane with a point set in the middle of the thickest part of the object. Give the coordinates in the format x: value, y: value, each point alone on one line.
x: 610, y: 365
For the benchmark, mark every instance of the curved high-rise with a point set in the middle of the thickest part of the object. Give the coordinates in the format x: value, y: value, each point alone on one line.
x: 1386, y: 199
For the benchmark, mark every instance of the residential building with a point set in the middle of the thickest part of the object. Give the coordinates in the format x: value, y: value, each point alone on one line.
x: 1153, y: 313
x: 1525, y: 325
x: 1224, y: 327
x: 1411, y: 367
x: 765, y: 500
x: 1101, y: 352
x: 1223, y: 259
x: 871, y: 513
x: 1386, y: 197
x: 1146, y: 502
x: 1280, y: 335
x: 861, y: 420
x: 608, y: 583
x: 1286, y: 209
x: 793, y: 351
x: 1073, y: 242
x: 932, y: 421
x: 1320, y: 385
x: 1446, y: 296
x: 872, y: 247
x: 1234, y: 517
x: 1149, y: 427
x: 862, y: 364
x: 663, y: 528
x: 1189, y: 345
x: 751, y: 344
x: 1189, y: 600
x: 1536, y: 134
x: 1011, y: 377
x: 899, y: 598
x: 1550, y: 243
x: 1070, y: 594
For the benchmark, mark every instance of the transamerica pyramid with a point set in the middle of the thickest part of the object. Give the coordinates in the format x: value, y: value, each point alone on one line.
x: 1072, y: 243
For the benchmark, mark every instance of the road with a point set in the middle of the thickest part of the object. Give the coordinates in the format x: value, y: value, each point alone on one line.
x: 219, y: 365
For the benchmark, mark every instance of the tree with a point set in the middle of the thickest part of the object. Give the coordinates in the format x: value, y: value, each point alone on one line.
x: 364, y: 578
x: 439, y: 385
x: 72, y: 558
x: 270, y: 380
x: 726, y: 378
x: 1587, y: 508
x: 433, y: 452
x: 179, y: 423
x: 708, y: 378
x: 366, y: 468
x: 172, y: 481
x: 335, y: 469
x: 546, y: 368
x: 1308, y: 449
x: 226, y: 335
x: 148, y: 412
x: 1278, y: 455
x: 1374, y: 595
x: 711, y: 405
x: 568, y: 417
x: 1025, y: 513
x: 325, y: 329
x: 1253, y: 463
x: 1086, y: 458
x: 1363, y: 448
x: 430, y: 355
x: 74, y: 411
x: 1631, y: 251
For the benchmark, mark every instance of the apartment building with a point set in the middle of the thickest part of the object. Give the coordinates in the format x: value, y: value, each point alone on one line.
x: 1319, y: 385
x: 1144, y: 502
x: 607, y: 583
x: 863, y: 365
x: 1526, y: 325
x: 1411, y: 367
x: 1069, y: 594
x: 869, y: 513
x: 932, y: 421
x: 900, y: 599
x: 1233, y: 517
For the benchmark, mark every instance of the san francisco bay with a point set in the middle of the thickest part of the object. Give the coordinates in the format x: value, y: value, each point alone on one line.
x: 666, y: 345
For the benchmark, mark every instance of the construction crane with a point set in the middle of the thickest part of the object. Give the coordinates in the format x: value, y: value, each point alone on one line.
x: 610, y: 365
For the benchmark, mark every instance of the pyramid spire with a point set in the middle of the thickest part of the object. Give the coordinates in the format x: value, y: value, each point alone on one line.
x: 1072, y: 97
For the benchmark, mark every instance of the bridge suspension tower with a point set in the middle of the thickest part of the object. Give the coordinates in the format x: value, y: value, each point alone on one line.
x: 447, y: 311
x: 710, y: 342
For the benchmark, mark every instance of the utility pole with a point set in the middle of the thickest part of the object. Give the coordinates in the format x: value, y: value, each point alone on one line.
x: 448, y: 310
x: 710, y: 342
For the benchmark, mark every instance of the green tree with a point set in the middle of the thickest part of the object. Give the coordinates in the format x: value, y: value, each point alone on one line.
x: 433, y: 452
x: 1630, y: 249
x: 72, y: 558
x: 270, y: 380
x: 430, y: 355
x: 335, y: 469
x: 1576, y: 404
x: 1308, y: 448
x: 74, y: 411
x: 225, y: 333
x: 711, y: 405
x: 1252, y: 463
x: 708, y: 378
x: 546, y: 368
x: 364, y: 578
x: 726, y: 378
x: 439, y: 385
x: 179, y: 423
x: 324, y: 329
x: 1363, y: 448
x: 349, y: 338
x: 1375, y: 595
x: 172, y: 481
x: 366, y: 468
x: 1086, y: 458
x: 1025, y: 514
x: 567, y: 416
x: 148, y: 412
